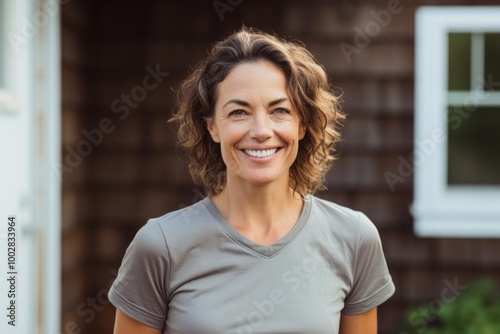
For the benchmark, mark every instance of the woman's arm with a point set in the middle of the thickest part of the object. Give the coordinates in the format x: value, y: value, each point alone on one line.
x: 364, y: 323
x: 127, y: 325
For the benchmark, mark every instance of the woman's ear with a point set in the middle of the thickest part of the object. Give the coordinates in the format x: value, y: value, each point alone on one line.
x: 212, y: 128
x: 302, y: 131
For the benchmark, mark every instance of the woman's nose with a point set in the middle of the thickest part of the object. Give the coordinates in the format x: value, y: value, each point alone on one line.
x: 261, y: 127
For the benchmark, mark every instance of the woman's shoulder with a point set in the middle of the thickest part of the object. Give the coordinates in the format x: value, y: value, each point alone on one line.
x: 332, y: 209
x: 182, y: 215
x: 181, y: 224
x: 343, y: 219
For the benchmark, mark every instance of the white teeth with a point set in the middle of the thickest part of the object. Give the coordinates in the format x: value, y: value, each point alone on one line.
x: 261, y: 153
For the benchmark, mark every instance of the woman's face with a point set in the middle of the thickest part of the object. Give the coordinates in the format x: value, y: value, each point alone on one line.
x: 256, y: 125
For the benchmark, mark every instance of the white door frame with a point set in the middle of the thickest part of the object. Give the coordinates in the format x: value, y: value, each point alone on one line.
x: 30, y: 143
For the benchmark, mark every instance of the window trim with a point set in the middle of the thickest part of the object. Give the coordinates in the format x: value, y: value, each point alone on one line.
x: 441, y: 210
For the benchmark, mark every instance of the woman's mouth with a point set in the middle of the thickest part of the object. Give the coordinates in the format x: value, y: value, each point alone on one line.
x: 261, y: 153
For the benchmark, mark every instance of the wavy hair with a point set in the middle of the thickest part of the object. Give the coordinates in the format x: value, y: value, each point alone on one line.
x: 308, y: 88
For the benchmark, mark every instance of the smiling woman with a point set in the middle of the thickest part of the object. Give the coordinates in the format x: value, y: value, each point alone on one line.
x: 305, y: 86
x: 259, y: 122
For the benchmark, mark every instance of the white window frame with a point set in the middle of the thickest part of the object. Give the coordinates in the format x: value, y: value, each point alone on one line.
x: 30, y: 143
x: 441, y: 210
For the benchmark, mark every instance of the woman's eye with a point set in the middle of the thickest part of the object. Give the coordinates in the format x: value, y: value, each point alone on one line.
x: 238, y: 112
x: 281, y: 111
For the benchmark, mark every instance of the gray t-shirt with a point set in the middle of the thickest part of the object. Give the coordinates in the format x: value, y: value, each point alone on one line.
x: 190, y: 271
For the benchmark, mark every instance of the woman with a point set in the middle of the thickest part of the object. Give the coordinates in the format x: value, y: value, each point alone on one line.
x: 260, y: 254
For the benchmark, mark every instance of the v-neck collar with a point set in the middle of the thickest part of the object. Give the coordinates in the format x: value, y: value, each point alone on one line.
x: 263, y: 250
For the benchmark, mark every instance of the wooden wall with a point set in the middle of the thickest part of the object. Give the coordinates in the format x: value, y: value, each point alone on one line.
x: 132, y: 171
x: 75, y: 65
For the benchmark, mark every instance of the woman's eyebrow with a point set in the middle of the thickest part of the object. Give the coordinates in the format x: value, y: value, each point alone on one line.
x: 246, y: 104
x: 240, y: 102
x: 277, y: 101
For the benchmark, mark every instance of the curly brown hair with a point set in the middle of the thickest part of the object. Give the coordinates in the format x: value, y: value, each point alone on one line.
x: 309, y: 91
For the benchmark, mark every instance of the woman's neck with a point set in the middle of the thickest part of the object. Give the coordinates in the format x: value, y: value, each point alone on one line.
x: 263, y: 214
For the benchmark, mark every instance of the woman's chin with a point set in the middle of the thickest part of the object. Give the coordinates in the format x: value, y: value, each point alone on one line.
x: 263, y: 179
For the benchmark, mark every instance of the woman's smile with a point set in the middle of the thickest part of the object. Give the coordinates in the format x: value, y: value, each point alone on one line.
x: 261, y: 153
x: 261, y: 156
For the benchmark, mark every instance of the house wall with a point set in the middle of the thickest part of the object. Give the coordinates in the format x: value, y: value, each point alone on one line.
x: 75, y: 64
x: 133, y: 172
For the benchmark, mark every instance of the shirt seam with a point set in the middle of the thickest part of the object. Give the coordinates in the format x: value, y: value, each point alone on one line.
x: 385, y: 292
x: 168, y: 296
x: 357, y: 251
x: 129, y: 306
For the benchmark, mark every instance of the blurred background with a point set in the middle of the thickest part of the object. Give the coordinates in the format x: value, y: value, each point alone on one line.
x: 120, y: 63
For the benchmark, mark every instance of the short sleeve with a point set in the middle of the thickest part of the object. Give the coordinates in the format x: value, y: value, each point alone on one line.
x: 372, y: 284
x: 140, y: 289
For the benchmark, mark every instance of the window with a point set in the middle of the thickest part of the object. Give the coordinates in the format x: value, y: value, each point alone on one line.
x: 457, y: 122
x: 473, y: 152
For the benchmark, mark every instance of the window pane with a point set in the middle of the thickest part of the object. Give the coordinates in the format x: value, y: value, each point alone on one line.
x: 492, y: 59
x: 474, y: 146
x: 458, y: 61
